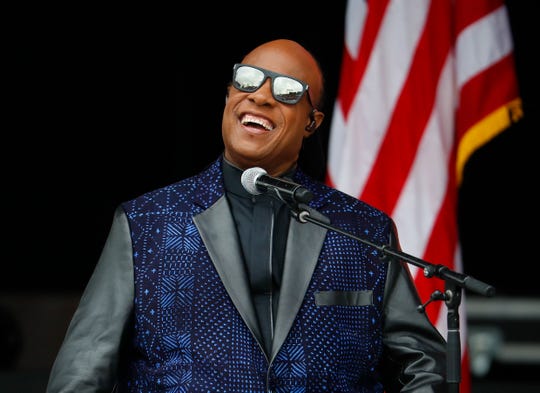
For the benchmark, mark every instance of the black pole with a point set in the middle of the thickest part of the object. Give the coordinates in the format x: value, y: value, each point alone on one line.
x: 453, y: 340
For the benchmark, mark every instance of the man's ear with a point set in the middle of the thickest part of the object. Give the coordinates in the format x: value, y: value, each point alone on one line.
x: 316, y: 117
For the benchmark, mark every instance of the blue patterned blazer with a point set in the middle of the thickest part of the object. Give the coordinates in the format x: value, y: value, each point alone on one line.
x: 168, y: 307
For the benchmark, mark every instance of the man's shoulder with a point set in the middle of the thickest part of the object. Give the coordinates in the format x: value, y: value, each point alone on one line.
x: 199, y: 187
x: 326, y: 195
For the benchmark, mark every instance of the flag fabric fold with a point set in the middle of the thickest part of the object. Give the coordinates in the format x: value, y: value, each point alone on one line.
x: 423, y: 85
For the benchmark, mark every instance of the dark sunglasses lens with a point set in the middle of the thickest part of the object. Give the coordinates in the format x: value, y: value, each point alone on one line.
x: 248, y: 79
x: 287, y: 90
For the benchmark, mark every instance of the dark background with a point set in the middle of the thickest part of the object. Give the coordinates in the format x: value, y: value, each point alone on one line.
x: 110, y: 103
x: 106, y: 103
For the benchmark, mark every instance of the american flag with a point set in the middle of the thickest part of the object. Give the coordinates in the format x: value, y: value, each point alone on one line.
x: 423, y: 84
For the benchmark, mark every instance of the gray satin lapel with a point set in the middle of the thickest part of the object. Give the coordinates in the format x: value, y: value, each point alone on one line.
x: 303, y: 247
x: 216, y: 226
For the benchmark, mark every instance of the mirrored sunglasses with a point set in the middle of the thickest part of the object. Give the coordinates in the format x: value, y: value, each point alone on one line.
x: 285, y: 89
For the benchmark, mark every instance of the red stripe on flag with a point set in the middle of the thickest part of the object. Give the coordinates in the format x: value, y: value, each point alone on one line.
x: 466, y: 13
x: 476, y: 103
x: 441, y: 246
x: 352, y: 69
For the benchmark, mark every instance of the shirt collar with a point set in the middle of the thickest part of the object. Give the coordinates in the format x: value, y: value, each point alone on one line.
x: 232, y: 179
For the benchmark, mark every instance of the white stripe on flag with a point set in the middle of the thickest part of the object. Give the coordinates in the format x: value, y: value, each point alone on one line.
x: 426, y: 185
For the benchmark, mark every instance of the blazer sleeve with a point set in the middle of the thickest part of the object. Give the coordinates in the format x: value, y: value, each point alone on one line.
x: 414, y: 350
x: 88, y: 357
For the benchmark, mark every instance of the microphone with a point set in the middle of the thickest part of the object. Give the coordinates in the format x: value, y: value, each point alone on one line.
x: 256, y: 181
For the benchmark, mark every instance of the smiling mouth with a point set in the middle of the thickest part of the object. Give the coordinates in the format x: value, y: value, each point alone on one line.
x: 257, y: 122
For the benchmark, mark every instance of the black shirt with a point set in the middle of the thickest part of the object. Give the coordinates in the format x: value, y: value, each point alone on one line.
x: 262, y: 223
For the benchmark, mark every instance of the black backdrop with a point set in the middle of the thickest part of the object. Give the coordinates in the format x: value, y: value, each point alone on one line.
x: 107, y: 103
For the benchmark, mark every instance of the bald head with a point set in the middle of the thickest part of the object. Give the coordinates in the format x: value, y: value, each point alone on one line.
x: 290, y: 58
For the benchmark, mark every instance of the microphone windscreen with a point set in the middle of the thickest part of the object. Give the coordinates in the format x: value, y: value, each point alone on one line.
x: 249, y: 179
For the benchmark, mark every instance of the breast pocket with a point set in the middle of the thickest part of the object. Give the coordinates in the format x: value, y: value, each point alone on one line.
x: 344, y: 298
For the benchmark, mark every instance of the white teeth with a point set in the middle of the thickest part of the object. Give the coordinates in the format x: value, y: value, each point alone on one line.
x: 257, y: 120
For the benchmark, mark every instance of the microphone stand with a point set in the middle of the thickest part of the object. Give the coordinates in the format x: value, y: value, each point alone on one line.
x: 454, y: 283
